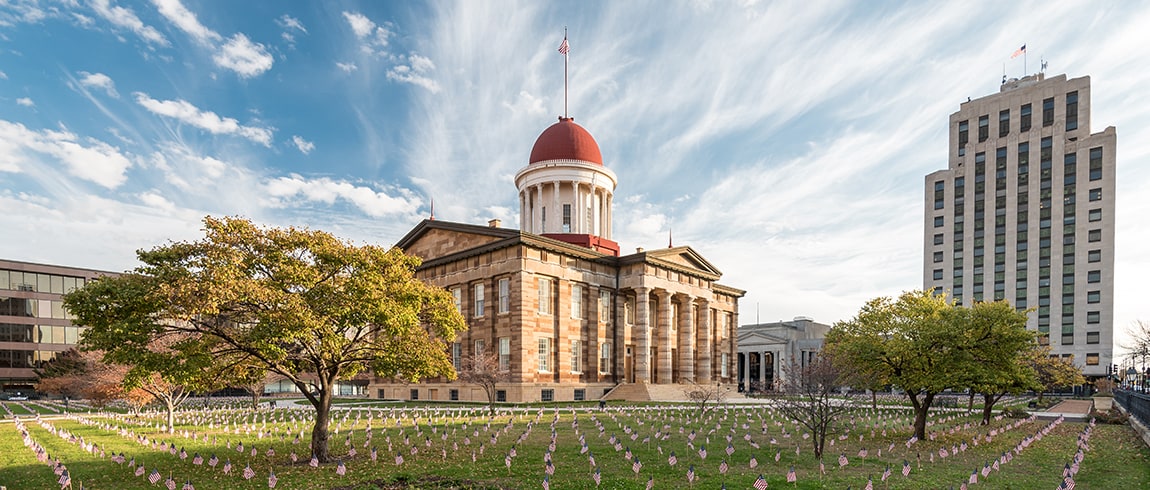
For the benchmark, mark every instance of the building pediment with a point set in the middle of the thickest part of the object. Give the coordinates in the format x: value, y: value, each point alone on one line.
x: 680, y: 259
x: 756, y: 338
x: 432, y: 239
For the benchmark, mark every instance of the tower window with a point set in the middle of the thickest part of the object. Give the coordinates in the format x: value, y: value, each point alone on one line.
x: 566, y: 218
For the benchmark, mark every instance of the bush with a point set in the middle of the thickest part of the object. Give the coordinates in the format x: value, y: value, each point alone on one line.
x: 1112, y: 416
x: 1015, y: 413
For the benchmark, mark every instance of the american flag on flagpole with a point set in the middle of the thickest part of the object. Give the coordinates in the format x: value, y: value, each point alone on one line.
x: 1019, y: 52
x: 671, y: 460
x: 188, y: 486
x: 691, y: 474
x: 905, y: 468
x: 341, y: 469
x: 140, y: 470
x: 249, y: 473
x: 564, y: 47
x: 272, y: 480
x: 213, y: 461
x: 886, y: 473
x: 597, y: 477
x: 842, y: 459
x: 228, y: 466
x: 869, y: 484
x: 154, y: 477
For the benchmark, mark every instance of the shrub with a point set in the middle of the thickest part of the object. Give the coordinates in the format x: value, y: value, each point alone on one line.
x: 1112, y: 416
x: 1015, y: 413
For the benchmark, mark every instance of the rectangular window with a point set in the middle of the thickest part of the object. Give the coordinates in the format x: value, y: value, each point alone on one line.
x: 1072, y: 111
x: 1093, y: 297
x: 1092, y: 359
x: 576, y: 356
x: 939, y: 221
x: 504, y: 295
x: 478, y: 300
x: 1094, y: 256
x: 544, y: 295
x: 1003, y: 122
x: 457, y: 297
x: 1094, y: 277
x: 605, y: 358
x: 1092, y: 338
x: 576, y: 301
x: 937, y: 257
x: 480, y: 347
x: 566, y: 218
x: 723, y: 371
x: 580, y: 394
x: 414, y: 393
x: 547, y: 395
x: 1024, y: 119
x: 1096, y: 163
x: 504, y: 353
x: 1093, y: 317
x: 938, y: 238
x: 1048, y: 112
x: 1095, y: 195
x: 457, y: 356
x: 1067, y: 339
x: 963, y: 135
x: 604, y: 306
x: 454, y: 395
x: 500, y: 395
x: 1094, y: 235
x: 545, y: 355
x: 983, y: 128
x: 1095, y: 215
x: 938, y: 274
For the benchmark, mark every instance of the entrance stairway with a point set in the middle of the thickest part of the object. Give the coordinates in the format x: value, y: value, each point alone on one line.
x: 644, y: 392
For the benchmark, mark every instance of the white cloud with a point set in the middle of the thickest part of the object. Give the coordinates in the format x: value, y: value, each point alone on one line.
x: 328, y: 191
x: 184, y: 19
x: 88, y: 158
x: 99, y: 80
x: 3, y: 76
x: 415, y: 72
x: 244, y: 57
x: 184, y: 111
x: 125, y: 18
x: 346, y: 67
x: 303, y: 145
x: 288, y: 22
x: 25, y: 101
x: 374, y: 39
x: 154, y: 200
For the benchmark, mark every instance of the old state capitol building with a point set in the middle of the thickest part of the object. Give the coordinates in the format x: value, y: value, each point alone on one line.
x: 569, y: 317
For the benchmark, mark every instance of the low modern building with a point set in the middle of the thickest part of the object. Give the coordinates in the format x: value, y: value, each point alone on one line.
x: 34, y: 327
x: 767, y: 349
x: 568, y: 316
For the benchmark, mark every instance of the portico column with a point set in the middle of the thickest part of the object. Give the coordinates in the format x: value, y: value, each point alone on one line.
x: 642, y: 332
x: 686, y: 339
x: 607, y: 212
x: 704, y: 336
x: 523, y: 211
x: 664, y: 328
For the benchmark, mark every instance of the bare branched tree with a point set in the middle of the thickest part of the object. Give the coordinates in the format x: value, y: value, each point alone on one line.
x: 706, y: 396
x: 483, y: 369
x: 808, y: 396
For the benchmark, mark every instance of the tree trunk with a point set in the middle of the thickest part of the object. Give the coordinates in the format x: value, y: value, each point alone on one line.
x: 820, y: 440
x: 256, y: 399
x: 921, y: 409
x: 319, y: 435
x: 970, y: 401
x: 171, y: 415
x: 988, y: 401
x: 873, y: 400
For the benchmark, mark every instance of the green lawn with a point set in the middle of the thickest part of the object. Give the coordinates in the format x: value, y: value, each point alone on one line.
x: 1116, y: 459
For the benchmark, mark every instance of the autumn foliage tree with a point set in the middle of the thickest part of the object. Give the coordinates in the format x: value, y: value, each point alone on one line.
x: 298, y: 303
x: 1052, y: 371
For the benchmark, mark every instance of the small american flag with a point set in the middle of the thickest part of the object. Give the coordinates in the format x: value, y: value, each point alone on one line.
x: 760, y: 483
x: 869, y: 484
x: 723, y: 467
x: 691, y: 474
x: 636, y: 466
x: 730, y: 449
x: 792, y: 477
x: 546, y: 483
x: 65, y: 479
x: 183, y: 454
x: 228, y: 466
x: 170, y: 484
x: 198, y: 460
x: 886, y: 473
x: 671, y: 460
x: 549, y: 469
x: 703, y: 452
x: 294, y: 458
x: 650, y: 483
x: 188, y: 486
x: 754, y: 462
x: 249, y: 473
x: 272, y: 480
x: 778, y: 455
x: 597, y: 477
x: 314, y: 463
x: 973, y: 477
x: 842, y: 460
x: 905, y: 468
x: 213, y: 461
x: 564, y: 47
x: 374, y: 455
x: 154, y: 477
x: 341, y: 469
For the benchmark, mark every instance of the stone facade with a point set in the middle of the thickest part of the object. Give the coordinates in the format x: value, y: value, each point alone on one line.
x: 767, y: 349
x: 569, y: 322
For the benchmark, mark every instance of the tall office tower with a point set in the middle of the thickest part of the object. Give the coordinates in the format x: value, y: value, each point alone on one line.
x: 1025, y: 213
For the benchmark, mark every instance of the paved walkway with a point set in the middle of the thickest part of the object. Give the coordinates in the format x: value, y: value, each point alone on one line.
x: 1073, y: 406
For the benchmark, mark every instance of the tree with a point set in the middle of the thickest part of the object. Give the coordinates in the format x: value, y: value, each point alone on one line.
x: 482, y: 369
x: 998, y: 339
x: 1052, y: 371
x: 920, y: 342
x: 705, y: 395
x: 807, y: 396
x: 254, y: 381
x: 63, y: 375
x: 298, y: 303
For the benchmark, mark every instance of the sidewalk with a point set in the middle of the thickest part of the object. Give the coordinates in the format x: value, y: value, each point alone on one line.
x: 1075, y: 410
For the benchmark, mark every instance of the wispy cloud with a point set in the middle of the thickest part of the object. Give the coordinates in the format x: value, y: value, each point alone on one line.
x: 416, y: 72
x: 291, y: 23
x: 125, y: 18
x: 328, y: 191
x: 304, y: 146
x: 25, y: 101
x: 346, y: 67
x: 85, y: 158
x: 186, y: 21
x: 239, y: 54
x: 209, y: 121
x: 373, y: 38
x: 100, y: 81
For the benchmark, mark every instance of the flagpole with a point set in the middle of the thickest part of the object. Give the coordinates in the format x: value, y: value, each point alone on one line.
x: 565, y: 56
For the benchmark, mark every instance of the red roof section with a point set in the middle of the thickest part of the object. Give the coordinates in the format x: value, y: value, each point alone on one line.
x: 566, y: 140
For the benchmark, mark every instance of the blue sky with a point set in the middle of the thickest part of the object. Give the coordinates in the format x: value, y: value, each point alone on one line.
x: 785, y: 141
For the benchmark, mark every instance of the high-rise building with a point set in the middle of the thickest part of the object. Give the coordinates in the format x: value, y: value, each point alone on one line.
x: 1025, y: 213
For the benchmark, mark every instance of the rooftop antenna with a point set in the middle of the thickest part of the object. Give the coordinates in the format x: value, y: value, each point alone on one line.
x: 564, y: 48
x: 670, y: 244
x: 432, y: 209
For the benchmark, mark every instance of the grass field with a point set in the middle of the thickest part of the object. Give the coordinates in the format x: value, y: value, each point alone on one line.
x: 464, y: 447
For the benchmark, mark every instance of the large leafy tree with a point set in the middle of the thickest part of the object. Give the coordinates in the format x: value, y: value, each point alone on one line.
x: 997, y: 344
x: 924, y: 344
x: 298, y: 303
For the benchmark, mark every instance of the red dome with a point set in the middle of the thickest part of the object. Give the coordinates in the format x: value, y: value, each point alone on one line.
x: 566, y: 140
